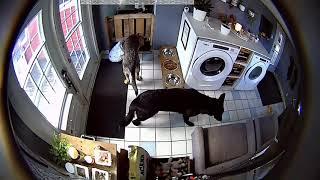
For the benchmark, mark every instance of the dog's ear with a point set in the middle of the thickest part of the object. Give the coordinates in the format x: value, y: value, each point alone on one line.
x: 221, y: 98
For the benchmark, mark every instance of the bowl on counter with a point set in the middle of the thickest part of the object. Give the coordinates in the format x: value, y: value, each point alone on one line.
x: 168, y: 52
x: 170, y: 65
x: 225, y: 29
x: 173, y: 80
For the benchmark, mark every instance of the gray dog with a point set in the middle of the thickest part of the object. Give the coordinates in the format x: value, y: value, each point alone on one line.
x: 131, y: 61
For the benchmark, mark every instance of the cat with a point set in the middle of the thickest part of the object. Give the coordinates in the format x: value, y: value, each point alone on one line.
x: 188, y: 102
x: 130, y: 59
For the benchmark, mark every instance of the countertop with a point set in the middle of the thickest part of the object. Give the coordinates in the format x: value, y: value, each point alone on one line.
x: 87, y: 147
x: 203, y: 30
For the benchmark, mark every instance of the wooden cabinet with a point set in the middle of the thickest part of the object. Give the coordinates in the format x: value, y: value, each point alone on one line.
x: 243, y: 56
x: 238, y: 68
x: 230, y: 81
x: 122, y: 26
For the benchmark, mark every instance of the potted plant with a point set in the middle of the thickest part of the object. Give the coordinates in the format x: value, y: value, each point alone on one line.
x: 201, y: 8
x: 225, y: 27
x: 251, y: 16
x: 241, y: 6
x: 234, y: 3
x: 59, y: 150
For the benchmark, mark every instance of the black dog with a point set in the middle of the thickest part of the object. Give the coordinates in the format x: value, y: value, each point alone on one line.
x: 188, y: 102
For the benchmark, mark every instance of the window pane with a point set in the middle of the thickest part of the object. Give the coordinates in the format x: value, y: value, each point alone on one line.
x: 83, y: 45
x: 81, y: 60
x: 30, y: 88
x: 51, y: 112
x: 28, y: 54
x: 77, y: 47
x: 36, y: 43
x: 53, y: 79
x: 69, y: 16
x: 43, y: 59
x: 47, y: 90
x: 26, y: 48
x: 66, y: 112
x: 33, y: 28
x: 70, y: 45
x: 78, y: 51
x: 50, y: 103
x: 36, y: 73
x: 74, y: 58
x: 70, y: 19
x: 78, y: 68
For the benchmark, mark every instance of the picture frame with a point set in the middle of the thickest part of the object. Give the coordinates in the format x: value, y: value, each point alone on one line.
x: 82, y: 171
x: 98, y: 174
x: 185, y: 34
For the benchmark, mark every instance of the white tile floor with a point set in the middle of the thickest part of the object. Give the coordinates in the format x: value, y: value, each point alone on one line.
x: 166, y: 134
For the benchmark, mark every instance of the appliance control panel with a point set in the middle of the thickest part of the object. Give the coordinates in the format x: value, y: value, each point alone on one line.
x: 257, y: 57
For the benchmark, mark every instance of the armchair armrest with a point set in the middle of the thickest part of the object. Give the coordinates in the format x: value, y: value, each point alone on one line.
x: 266, y: 131
x: 198, y: 150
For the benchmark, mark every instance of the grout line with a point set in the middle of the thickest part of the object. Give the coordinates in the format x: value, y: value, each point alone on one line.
x: 170, y: 135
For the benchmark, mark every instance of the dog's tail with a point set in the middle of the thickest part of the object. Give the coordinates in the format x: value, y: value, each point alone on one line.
x: 128, y: 118
x: 133, y: 80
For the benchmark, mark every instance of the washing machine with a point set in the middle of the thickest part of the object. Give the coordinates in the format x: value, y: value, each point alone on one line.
x: 254, y: 73
x: 210, y: 65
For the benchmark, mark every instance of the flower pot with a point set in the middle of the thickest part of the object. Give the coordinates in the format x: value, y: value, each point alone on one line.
x: 241, y: 7
x: 251, y: 13
x: 234, y: 2
x: 225, y: 29
x: 199, y: 15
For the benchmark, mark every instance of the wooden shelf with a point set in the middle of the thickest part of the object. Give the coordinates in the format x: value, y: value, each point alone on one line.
x: 245, y: 50
x: 242, y: 56
x: 241, y: 63
x: 230, y: 81
x: 235, y: 77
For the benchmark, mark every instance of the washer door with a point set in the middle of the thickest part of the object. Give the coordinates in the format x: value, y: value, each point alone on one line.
x: 255, y: 73
x: 212, y: 65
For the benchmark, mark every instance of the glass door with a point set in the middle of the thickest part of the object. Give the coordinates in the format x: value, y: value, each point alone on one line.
x: 35, y: 72
x: 54, y: 63
x: 80, y: 60
x: 76, y: 46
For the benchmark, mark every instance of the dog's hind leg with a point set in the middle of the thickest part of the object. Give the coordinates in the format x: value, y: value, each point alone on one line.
x: 126, y: 73
x: 142, y: 116
x: 186, y: 120
x: 137, y: 71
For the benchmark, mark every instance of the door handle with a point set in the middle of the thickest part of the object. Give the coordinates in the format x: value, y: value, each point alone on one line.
x: 67, y: 80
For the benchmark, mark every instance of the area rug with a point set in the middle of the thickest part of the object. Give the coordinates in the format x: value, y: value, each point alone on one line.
x: 269, y: 90
x: 108, y: 102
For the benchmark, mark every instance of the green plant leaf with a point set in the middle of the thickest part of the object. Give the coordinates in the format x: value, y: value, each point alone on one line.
x: 59, y: 149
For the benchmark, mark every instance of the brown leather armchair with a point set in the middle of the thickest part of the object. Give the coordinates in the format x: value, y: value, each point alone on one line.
x: 222, y: 148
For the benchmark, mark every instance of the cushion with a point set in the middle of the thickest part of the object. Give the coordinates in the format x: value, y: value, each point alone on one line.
x: 225, y: 143
x: 267, y: 130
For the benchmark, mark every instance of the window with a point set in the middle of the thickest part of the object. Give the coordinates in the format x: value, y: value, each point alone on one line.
x: 73, y: 34
x: 35, y: 72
